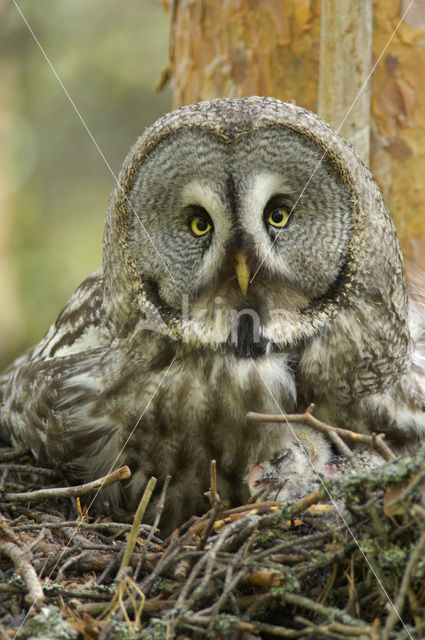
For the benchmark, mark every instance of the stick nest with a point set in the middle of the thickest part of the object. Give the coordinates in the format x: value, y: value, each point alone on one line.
x: 346, y: 562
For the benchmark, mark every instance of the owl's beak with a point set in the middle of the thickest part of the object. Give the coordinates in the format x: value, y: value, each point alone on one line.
x: 242, y: 271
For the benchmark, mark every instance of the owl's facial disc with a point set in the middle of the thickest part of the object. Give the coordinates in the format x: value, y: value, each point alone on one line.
x: 260, y: 223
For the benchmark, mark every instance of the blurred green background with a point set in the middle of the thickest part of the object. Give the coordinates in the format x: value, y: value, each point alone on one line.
x: 54, y: 185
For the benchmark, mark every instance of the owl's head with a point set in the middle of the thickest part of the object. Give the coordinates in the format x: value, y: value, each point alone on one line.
x: 242, y: 221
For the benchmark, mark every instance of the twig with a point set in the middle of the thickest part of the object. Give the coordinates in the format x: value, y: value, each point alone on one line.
x: 35, y: 591
x: 111, y: 567
x: 229, y: 583
x: 115, y: 527
x: 207, y: 559
x: 212, y: 494
x: 26, y: 468
x: 147, y: 495
x: 34, y: 544
x: 334, y: 629
x: 162, y: 565
x: 75, y: 592
x: 316, y: 607
x: 217, y: 505
x: 308, y: 501
x: 69, y: 492
x: 158, y: 512
x: 343, y: 448
x: 74, y: 559
x: 249, y: 627
x: 374, y: 441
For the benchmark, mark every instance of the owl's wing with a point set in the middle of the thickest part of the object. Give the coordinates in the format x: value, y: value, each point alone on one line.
x: 46, y: 394
x: 80, y: 326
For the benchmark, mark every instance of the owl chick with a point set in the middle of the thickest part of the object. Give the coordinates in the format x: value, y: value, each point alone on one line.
x: 249, y: 264
x: 293, y: 472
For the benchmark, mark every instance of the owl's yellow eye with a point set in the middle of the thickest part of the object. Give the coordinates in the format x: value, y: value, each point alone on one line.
x: 199, y: 226
x: 279, y: 218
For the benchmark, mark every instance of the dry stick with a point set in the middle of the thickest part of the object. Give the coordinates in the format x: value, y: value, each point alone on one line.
x: 123, y: 580
x: 35, y: 591
x: 297, y: 541
x: 34, y: 544
x: 250, y: 528
x: 305, y: 503
x: 316, y: 607
x: 374, y: 441
x: 396, y: 610
x: 115, y: 527
x: 334, y: 629
x: 217, y: 505
x: 147, y: 494
x: 207, y: 559
x: 69, y: 492
x: 26, y: 468
x: 76, y: 592
x: 212, y: 494
x: 70, y: 561
x: 158, y: 512
x: 343, y: 448
x: 211, y: 557
x: 162, y: 565
x: 229, y: 583
x: 7, y: 531
x: 249, y: 627
x: 112, y: 566
x: 150, y: 607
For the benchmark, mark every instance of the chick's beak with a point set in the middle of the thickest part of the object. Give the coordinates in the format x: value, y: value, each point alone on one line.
x: 243, y: 271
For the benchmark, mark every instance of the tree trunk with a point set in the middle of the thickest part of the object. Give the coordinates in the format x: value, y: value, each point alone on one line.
x: 398, y: 119
x: 345, y: 62
x: 234, y: 48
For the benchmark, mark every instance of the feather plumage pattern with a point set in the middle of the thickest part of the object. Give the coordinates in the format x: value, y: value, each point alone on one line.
x: 249, y: 264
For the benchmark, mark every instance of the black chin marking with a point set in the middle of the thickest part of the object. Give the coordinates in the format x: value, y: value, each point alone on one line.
x: 244, y: 343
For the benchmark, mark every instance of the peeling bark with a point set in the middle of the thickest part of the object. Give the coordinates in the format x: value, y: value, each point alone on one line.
x: 345, y: 62
x: 244, y: 47
x: 237, y: 48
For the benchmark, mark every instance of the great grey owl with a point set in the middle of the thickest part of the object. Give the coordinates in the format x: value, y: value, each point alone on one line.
x: 249, y: 264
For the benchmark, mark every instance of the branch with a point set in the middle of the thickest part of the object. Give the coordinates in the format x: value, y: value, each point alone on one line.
x: 69, y: 492
x: 374, y: 441
x: 35, y: 591
x: 144, y: 501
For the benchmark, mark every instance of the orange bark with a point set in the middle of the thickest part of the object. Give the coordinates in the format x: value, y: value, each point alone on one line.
x: 244, y: 47
x: 266, y: 47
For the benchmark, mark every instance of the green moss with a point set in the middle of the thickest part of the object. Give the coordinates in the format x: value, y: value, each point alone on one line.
x: 159, y: 586
x: 222, y: 627
x: 392, y: 560
x: 47, y: 625
x: 156, y: 630
x: 265, y: 538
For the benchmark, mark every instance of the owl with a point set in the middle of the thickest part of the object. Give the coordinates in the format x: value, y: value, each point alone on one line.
x: 249, y: 264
